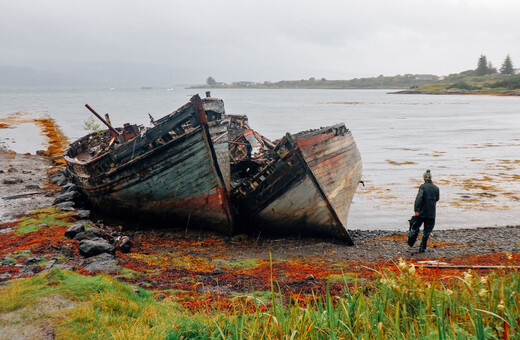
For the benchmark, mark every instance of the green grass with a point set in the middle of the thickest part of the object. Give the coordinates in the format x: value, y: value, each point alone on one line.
x: 39, y: 218
x: 393, y: 306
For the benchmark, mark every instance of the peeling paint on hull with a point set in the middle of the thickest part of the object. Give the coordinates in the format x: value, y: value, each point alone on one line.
x: 309, y: 189
x: 180, y: 179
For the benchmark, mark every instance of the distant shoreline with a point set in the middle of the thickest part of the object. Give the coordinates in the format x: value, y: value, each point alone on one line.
x: 446, y: 93
x: 452, y: 93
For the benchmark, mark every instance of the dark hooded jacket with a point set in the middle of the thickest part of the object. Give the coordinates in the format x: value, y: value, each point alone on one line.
x: 426, y: 199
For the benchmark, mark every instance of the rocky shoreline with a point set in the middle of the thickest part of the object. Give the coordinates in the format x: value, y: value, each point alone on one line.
x: 91, y: 246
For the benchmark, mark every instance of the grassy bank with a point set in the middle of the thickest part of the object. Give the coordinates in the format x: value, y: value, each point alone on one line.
x: 402, y: 305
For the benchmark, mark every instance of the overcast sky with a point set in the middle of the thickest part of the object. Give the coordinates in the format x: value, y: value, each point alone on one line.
x: 262, y: 40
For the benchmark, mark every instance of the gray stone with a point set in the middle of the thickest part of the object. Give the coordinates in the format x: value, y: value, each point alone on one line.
x: 81, y: 214
x: 67, y: 196
x: 12, y: 180
x: 28, y: 270
x: 65, y: 250
x: 6, y: 230
x: 58, y: 179
x: 93, y: 247
x: 32, y: 260
x: 69, y: 187
x: 103, y: 262
x: 65, y: 205
x: 217, y: 271
x: 91, y: 233
x: 50, y: 264
x: 5, y: 277
x: 124, y: 244
x: 76, y: 228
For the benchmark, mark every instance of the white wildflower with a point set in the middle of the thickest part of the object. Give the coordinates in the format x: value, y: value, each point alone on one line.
x: 402, y: 264
x: 501, y: 305
x: 449, y: 291
x: 483, y: 279
x: 467, y: 276
x: 483, y: 292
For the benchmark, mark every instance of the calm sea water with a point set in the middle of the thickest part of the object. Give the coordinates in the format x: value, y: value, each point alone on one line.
x: 470, y: 143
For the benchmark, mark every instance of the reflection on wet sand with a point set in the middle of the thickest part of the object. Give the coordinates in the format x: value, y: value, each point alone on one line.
x: 55, y: 139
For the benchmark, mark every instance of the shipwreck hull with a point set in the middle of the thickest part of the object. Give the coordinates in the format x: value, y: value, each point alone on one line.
x: 309, y: 188
x: 179, y: 179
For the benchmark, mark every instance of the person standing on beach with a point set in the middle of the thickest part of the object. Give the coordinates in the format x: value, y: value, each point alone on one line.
x: 425, y: 204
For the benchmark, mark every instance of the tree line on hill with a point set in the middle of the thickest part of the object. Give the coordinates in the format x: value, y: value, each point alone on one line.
x: 485, y: 67
x: 485, y: 76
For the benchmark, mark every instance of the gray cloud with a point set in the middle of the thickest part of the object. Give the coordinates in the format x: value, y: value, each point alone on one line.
x: 186, y: 41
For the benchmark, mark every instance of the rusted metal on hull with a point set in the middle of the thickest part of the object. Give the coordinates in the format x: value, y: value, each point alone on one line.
x: 169, y: 171
x: 307, y: 187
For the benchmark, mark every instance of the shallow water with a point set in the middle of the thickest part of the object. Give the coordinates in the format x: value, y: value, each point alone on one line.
x: 470, y: 143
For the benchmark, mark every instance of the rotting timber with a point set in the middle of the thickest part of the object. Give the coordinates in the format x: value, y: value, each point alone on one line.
x: 170, y: 170
x: 307, y: 185
x: 202, y: 166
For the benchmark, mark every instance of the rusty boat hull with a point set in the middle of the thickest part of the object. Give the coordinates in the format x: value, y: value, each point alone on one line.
x: 307, y: 187
x: 168, y: 172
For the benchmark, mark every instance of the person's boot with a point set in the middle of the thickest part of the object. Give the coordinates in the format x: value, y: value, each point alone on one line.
x: 424, y: 241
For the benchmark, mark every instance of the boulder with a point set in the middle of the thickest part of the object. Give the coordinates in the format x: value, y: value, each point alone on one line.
x: 32, y: 260
x: 67, y: 196
x: 69, y: 187
x: 82, y: 214
x: 103, y: 262
x: 76, y: 228
x: 124, y: 244
x: 58, y: 178
x: 91, y: 233
x: 65, y: 206
x: 89, y: 248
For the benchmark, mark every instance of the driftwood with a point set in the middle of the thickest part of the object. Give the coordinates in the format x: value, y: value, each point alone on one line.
x: 29, y: 194
x: 463, y: 266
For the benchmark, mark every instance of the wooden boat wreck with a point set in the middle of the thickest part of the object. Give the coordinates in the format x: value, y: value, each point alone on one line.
x: 204, y: 167
x: 172, y: 170
x: 306, y: 186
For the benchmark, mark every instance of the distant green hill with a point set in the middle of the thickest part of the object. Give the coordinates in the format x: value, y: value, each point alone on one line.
x: 380, y: 82
x: 468, y: 82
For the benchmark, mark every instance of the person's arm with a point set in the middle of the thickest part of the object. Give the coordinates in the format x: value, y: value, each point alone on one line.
x: 418, y: 200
